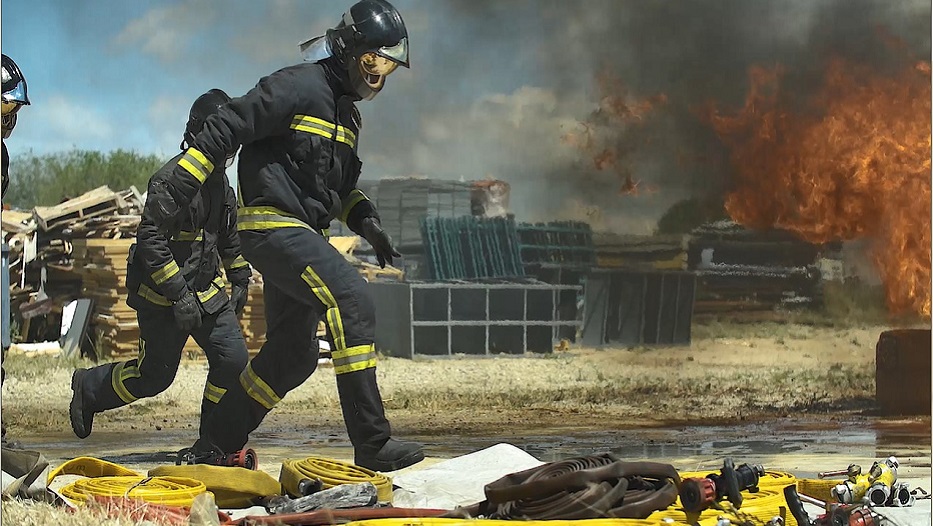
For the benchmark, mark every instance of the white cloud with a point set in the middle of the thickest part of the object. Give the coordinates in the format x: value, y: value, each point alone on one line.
x: 167, y: 117
x: 166, y: 32
x: 61, y: 123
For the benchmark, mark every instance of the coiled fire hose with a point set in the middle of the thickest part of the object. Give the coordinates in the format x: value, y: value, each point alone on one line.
x: 106, y: 479
x: 579, y: 488
x: 331, y: 473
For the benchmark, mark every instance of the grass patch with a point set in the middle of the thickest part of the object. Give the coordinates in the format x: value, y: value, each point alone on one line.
x: 25, y: 367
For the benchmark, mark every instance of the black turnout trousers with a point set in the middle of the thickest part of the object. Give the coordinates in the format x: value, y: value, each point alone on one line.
x: 305, y: 279
x: 160, y: 346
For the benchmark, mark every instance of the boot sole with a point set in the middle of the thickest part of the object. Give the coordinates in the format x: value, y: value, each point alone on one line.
x: 75, y: 412
x: 408, y: 460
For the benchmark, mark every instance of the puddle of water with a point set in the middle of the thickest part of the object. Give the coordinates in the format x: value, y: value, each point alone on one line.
x: 800, y: 446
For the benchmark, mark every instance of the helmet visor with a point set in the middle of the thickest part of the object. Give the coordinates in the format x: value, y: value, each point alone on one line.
x: 17, y: 94
x: 397, y: 53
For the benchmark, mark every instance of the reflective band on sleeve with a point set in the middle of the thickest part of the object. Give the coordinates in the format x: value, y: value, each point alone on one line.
x: 212, y: 393
x: 354, y: 359
x: 188, y: 236
x: 334, y: 132
x: 216, y: 286
x: 332, y: 315
x: 257, y: 389
x: 153, y: 296
x: 196, y: 164
x: 354, y: 198
x: 164, y: 273
x: 122, y: 372
x: 235, y: 263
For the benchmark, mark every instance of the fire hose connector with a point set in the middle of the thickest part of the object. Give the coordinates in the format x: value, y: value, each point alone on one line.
x: 697, y: 494
x: 878, y: 494
x: 901, y: 495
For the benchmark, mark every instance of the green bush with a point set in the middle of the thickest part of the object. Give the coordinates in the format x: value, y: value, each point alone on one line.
x: 45, y: 180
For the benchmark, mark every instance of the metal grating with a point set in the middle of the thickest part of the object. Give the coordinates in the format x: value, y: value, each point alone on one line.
x: 443, y: 319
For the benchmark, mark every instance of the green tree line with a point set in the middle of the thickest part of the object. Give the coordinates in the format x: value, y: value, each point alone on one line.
x: 49, y: 179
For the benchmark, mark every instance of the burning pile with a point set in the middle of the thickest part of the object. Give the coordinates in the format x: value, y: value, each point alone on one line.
x: 851, y: 161
x: 612, y: 136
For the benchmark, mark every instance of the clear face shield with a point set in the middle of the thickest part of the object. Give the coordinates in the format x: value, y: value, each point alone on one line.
x: 230, y: 158
x: 8, y: 121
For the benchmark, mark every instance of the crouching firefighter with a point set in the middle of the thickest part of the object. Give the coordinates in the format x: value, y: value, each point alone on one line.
x: 176, y: 288
x: 298, y: 170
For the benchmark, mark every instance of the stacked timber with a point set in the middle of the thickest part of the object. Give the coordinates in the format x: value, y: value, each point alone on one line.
x: 640, y: 253
x: 101, y: 265
x: 746, y: 270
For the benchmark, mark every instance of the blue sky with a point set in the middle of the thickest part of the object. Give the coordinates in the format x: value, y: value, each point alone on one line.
x: 494, y: 84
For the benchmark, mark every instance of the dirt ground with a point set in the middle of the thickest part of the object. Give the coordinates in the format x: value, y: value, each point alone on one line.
x: 730, y: 372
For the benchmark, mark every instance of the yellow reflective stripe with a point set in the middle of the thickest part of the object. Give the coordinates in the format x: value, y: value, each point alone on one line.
x: 153, y: 296
x: 353, y: 367
x: 188, y: 236
x: 266, y: 218
x: 142, y: 353
x: 120, y: 374
x: 216, y: 286
x: 236, y: 262
x: 213, y: 393
x: 332, y: 316
x: 346, y: 136
x: 355, y: 197
x: 354, y: 359
x: 164, y: 273
x: 197, y: 164
x: 257, y: 389
x: 308, y: 124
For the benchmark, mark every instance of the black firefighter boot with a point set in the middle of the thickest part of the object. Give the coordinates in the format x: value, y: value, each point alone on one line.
x: 368, y: 428
x: 82, y: 418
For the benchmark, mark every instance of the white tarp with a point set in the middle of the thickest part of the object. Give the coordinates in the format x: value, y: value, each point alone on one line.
x: 459, y: 481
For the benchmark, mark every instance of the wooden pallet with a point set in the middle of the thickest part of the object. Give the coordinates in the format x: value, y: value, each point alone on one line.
x: 97, y: 202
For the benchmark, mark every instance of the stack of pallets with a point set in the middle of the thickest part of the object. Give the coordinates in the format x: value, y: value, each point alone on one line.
x: 565, y: 243
x: 471, y: 248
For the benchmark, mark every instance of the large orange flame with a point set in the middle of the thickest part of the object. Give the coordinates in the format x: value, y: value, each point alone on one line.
x: 852, y: 161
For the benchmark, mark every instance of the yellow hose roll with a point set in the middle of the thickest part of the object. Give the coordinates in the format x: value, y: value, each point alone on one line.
x: 171, y: 491
x: 778, y: 479
x: 233, y: 487
x: 90, y: 467
x: 331, y: 473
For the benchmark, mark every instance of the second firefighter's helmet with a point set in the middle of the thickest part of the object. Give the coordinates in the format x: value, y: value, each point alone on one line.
x: 202, y: 108
x: 370, y: 42
x: 14, y: 94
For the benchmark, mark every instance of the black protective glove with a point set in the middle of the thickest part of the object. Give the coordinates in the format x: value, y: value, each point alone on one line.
x: 238, y: 296
x: 187, y: 312
x: 380, y: 241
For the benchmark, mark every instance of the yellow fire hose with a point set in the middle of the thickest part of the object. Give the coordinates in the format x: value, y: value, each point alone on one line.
x: 106, y: 479
x: 233, y: 487
x: 331, y: 473
x: 818, y: 488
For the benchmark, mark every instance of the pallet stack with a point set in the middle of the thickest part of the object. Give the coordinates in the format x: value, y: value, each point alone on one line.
x: 403, y: 203
x: 471, y: 248
x: 564, y: 243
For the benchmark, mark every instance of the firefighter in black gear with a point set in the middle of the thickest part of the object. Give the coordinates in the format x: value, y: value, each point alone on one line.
x: 175, y: 285
x: 14, y: 97
x: 298, y: 170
